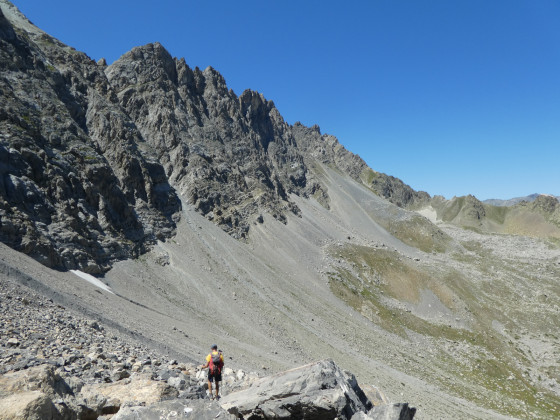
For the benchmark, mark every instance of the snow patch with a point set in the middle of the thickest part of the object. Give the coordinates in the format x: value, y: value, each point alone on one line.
x: 89, y: 278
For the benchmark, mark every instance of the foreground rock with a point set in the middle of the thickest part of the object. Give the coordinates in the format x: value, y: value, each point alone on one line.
x: 176, y: 409
x: 32, y: 394
x: 58, y: 364
x: 319, y: 391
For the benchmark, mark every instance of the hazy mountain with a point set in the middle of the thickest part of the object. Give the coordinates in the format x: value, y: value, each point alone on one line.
x: 511, y: 201
x: 213, y: 220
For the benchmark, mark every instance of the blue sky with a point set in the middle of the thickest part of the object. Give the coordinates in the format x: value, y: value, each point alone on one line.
x: 453, y: 97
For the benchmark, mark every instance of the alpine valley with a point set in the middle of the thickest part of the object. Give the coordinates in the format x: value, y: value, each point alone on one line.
x: 147, y: 211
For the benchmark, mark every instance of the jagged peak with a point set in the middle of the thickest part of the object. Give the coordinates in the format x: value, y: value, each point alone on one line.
x: 142, y: 52
x: 214, y: 78
x: 211, y: 71
x: 300, y: 126
x: 145, y: 57
x: 255, y: 102
x: 472, y: 198
x: 249, y: 95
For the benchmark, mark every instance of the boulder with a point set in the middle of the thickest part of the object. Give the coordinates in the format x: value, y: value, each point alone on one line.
x: 319, y: 390
x: 29, y: 393
x: 33, y: 405
x: 400, y: 411
x: 176, y: 409
x: 39, y: 378
x: 138, y: 391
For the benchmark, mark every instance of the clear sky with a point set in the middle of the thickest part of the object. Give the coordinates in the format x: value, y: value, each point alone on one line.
x: 454, y: 97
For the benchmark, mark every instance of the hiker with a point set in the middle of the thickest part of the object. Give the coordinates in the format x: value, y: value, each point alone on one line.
x: 215, y: 363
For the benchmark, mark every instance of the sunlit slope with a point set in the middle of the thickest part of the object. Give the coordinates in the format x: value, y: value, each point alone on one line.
x: 471, y: 307
x: 483, y: 326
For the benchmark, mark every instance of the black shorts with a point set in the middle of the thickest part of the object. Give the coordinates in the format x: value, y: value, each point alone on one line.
x: 217, y: 377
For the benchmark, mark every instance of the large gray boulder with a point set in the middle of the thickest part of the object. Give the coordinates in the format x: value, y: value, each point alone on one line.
x: 176, y: 409
x: 32, y: 393
x: 319, y: 391
x: 400, y: 411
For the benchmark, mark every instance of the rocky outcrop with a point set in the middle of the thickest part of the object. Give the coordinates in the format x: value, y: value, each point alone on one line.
x: 327, y: 150
x: 547, y: 204
x: 76, y: 191
x: 318, y: 391
x: 467, y: 210
x: 231, y: 157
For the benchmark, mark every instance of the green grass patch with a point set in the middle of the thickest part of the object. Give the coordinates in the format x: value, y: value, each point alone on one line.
x: 367, y: 176
x: 496, y: 213
x: 477, y: 359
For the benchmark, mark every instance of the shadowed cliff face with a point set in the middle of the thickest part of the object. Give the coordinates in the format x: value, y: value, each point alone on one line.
x: 232, y: 157
x: 75, y: 190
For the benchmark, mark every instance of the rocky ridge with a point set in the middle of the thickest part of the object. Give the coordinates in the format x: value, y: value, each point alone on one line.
x: 513, y: 201
x: 75, y: 189
x: 92, y: 156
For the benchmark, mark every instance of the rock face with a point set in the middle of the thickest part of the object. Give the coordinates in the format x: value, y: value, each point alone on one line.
x: 327, y: 150
x: 232, y: 157
x: 76, y: 191
x: 92, y: 156
x: 318, y: 391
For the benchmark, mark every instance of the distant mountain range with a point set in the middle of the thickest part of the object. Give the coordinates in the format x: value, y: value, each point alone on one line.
x: 512, y: 201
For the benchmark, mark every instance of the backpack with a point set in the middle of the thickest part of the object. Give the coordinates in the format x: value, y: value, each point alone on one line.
x: 215, y: 363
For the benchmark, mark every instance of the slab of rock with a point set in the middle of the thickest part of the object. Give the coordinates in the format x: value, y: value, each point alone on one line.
x: 29, y: 394
x: 400, y: 411
x: 26, y: 405
x: 320, y: 391
x: 176, y: 409
x: 139, y: 391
